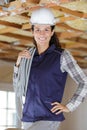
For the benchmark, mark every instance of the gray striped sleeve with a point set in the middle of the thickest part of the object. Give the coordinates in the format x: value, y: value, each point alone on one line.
x: 69, y: 64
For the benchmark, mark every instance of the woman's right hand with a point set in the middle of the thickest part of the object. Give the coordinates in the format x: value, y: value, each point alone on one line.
x: 23, y: 54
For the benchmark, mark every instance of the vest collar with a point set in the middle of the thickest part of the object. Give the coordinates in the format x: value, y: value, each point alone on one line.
x: 49, y: 50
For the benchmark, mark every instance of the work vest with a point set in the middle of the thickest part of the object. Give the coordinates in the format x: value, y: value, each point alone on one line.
x: 46, y: 85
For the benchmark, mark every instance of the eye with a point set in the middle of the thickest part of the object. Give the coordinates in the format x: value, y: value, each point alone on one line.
x: 47, y: 29
x: 36, y: 29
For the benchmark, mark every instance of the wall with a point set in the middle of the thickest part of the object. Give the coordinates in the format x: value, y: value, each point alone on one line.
x: 76, y: 120
x: 6, y: 72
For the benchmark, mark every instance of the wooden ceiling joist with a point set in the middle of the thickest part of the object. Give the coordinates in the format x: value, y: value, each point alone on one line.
x: 18, y: 36
x: 79, y: 39
x: 79, y: 53
x: 65, y: 35
x: 71, y: 27
x: 6, y: 23
x: 7, y: 30
x: 73, y: 44
x: 68, y: 11
x: 65, y: 26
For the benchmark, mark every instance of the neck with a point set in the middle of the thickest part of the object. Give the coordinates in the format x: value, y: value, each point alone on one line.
x: 41, y: 49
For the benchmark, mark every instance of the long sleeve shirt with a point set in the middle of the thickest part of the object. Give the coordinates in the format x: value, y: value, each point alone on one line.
x: 69, y: 65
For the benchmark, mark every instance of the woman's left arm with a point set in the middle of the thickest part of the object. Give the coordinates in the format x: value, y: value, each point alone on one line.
x: 69, y: 64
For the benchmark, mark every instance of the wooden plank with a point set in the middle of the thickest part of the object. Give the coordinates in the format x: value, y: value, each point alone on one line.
x: 4, y: 45
x: 26, y: 26
x: 65, y: 35
x: 73, y: 44
x: 2, y: 22
x: 78, y: 39
x: 18, y: 36
x: 64, y: 19
x: 16, y: 19
x: 65, y: 26
x: 10, y: 47
x: 68, y: 11
x: 7, y: 39
x: 7, y: 30
x: 81, y: 60
x: 79, y: 53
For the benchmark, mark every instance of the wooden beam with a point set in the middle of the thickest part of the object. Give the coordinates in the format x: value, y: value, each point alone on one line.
x: 26, y: 26
x: 64, y: 19
x: 65, y: 26
x: 65, y: 35
x: 79, y: 53
x: 78, y: 39
x: 7, y: 30
x: 18, y: 36
x: 4, y: 45
x: 69, y: 44
x: 2, y: 22
x: 19, y: 8
x: 81, y: 60
x: 66, y: 10
x: 33, y: 1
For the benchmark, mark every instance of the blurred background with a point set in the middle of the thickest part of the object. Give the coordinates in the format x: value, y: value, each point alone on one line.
x: 15, y: 35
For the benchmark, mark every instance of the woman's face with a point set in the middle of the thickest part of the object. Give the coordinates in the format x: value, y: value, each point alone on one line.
x: 42, y: 34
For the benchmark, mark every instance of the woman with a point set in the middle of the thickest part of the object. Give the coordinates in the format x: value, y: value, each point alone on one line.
x: 40, y: 75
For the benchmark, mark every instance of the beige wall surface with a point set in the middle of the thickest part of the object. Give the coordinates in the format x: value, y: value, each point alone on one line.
x: 76, y: 120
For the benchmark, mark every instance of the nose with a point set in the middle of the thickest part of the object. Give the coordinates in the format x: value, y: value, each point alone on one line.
x: 42, y: 32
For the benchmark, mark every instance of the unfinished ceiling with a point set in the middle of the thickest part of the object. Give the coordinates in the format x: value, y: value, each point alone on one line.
x: 71, y: 28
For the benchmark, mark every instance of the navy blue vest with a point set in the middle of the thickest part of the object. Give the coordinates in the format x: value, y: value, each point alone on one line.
x: 46, y: 85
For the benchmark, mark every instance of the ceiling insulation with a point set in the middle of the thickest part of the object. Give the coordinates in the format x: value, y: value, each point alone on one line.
x: 71, y: 27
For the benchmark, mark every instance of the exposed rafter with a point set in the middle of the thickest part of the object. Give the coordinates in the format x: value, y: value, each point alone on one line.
x: 71, y: 27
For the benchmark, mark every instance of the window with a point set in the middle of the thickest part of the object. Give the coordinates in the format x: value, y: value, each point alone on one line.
x: 7, y: 110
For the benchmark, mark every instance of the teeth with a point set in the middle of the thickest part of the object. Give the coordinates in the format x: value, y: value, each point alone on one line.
x: 42, y: 38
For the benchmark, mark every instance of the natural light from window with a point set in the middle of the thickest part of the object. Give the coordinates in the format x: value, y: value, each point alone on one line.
x: 7, y: 110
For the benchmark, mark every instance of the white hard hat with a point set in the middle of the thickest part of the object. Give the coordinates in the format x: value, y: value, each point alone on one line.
x: 42, y: 16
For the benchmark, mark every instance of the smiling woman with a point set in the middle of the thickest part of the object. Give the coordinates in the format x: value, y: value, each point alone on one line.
x: 40, y: 75
x: 42, y: 35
